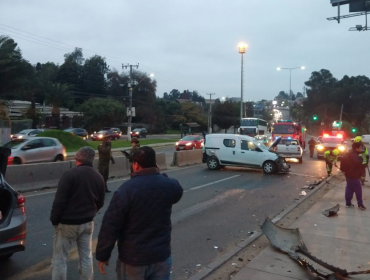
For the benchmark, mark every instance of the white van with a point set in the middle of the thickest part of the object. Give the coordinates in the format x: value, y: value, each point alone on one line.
x: 241, y: 150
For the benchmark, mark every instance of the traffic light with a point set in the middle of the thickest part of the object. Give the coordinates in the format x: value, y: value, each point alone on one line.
x: 315, y: 118
x: 354, y: 129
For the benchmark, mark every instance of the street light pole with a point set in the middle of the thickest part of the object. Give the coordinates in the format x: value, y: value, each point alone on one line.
x: 129, y: 112
x: 290, y: 80
x: 242, y: 49
x: 210, y: 113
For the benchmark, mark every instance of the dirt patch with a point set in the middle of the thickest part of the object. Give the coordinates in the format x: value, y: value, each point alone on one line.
x: 240, y: 260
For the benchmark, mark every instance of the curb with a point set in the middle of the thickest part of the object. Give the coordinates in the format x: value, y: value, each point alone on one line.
x: 210, y: 268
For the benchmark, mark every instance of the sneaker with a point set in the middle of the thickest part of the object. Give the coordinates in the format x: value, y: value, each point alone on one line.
x: 362, y: 207
x: 349, y: 206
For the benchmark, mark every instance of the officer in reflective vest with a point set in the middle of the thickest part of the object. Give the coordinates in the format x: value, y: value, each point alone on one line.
x: 331, y: 158
x: 365, y: 157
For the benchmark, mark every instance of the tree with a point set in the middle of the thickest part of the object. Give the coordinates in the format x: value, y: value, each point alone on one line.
x: 55, y: 95
x: 93, y: 75
x: 100, y: 112
x: 70, y: 71
x: 223, y: 115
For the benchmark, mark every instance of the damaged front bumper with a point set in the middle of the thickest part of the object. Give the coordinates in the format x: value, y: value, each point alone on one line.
x: 283, y: 167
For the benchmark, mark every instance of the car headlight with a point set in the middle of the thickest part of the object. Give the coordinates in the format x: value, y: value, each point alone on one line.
x: 202, y: 144
x: 320, y: 147
x: 341, y: 148
x: 177, y: 143
x: 137, y: 132
x: 188, y: 144
x: 11, y: 135
x: 20, y: 137
x: 92, y: 135
x: 100, y: 136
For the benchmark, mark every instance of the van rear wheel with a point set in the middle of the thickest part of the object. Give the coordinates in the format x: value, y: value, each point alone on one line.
x: 269, y: 167
x: 212, y: 163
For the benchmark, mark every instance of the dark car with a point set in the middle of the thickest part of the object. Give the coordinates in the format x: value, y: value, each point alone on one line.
x: 12, y: 214
x: 115, y: 129
x: 98, y: 136
x: 139, y: 132
x: 78, y: 132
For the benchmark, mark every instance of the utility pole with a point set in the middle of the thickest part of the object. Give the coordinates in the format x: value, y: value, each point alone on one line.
x: 210, y: 113
x: 129, y: 111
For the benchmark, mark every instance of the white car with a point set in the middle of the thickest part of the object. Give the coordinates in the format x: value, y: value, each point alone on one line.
x: 26, y: 133
x: 35, y: 149
x: 241, y: 150
x: 290, y: 148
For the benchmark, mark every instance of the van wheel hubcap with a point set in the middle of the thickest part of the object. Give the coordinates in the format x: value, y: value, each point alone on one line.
x: 212, y: 163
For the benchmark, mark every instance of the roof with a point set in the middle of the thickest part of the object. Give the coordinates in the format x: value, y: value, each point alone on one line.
x: 194, y: 124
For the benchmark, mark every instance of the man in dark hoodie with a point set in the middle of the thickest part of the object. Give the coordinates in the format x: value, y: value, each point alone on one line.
x: 139, y: 218
x: 79, y: 196
x: 353, y: 175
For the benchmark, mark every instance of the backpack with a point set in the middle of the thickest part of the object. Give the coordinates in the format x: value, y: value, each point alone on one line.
x: 345, y: 163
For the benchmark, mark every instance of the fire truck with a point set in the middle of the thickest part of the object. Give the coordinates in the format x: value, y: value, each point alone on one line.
x: 290, y: 130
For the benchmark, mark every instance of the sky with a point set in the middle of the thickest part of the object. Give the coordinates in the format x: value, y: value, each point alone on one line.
x: 193, y: 45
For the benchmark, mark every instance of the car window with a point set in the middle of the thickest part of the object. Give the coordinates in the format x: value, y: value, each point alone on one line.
x: 48, y: 142
x: 188, y: 138
x: 229, y: 143
x: 34, y: 144
x: 248, y: 145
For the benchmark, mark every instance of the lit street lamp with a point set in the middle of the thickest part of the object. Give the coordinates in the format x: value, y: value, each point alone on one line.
x: 242, y: 48
x: 290, y: 78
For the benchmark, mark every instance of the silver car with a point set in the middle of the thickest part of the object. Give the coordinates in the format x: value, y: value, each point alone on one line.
x: 12, y: 214
x: 26, y: 133
x: 35, y: 149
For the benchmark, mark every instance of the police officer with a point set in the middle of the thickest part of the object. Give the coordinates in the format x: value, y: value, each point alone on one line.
x: 365, y: 157
x: 311, y: 145
x: 330, y: 158
x: 105, y: 155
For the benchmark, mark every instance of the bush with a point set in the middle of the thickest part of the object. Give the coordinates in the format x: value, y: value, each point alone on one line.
x: 69, y: 141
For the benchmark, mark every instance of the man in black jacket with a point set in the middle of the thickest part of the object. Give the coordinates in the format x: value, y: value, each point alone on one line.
x: 79, y: 196
x: 139, y: 217
x: 356, y: 165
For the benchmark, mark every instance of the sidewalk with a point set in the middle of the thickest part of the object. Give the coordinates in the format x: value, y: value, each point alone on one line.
x: 342, y: 241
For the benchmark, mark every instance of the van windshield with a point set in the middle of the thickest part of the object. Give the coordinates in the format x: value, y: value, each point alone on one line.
x: 260, y: 145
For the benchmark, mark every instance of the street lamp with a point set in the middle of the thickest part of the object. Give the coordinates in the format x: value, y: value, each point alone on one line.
x: 290, y: 78
x: 242, y: 48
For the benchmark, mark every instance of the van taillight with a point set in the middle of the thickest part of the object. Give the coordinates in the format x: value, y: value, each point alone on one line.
x: 21, y: 200
x: 10, y: 160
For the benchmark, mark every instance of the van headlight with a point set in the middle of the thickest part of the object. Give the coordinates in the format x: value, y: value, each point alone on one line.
x: 320, y: 147
x: 341, y: 148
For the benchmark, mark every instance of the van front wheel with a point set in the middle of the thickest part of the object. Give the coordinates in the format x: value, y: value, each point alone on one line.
x: 269, y: 167
x: 212, y: 163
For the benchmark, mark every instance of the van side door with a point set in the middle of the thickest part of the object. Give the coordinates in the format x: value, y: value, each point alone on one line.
x: 249, y: 154
x: 228, y: 151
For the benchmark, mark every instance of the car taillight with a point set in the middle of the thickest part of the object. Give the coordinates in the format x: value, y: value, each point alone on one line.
x: 21, y: 200
x: 299, y: 149
x: 10, y: 160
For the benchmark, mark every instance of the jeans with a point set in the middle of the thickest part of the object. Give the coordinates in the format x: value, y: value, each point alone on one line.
x: 64, y: 237
x: 156, y: 271
x: 353, y: 186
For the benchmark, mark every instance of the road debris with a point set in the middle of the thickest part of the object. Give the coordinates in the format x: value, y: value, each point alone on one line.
x: 303, y: 193
x: 331, y: 211
x: 291, y: 242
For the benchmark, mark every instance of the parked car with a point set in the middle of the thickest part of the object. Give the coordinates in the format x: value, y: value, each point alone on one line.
x: 12, y: 214
x: 329, y: 143
x: 26, y: 133
x: 139, y: 132
x: 105, y: 133
x: 241, y: 150
x: 190, y: 142
x: 115, y: 129
x: 78, y: 132
x: 290, y: 148
x: 35, y: 149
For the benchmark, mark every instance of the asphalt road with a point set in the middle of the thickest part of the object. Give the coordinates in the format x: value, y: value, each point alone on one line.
x: 216, y: 212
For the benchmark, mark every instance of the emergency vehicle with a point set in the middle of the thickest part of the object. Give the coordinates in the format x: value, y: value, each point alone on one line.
x: 290, y: 130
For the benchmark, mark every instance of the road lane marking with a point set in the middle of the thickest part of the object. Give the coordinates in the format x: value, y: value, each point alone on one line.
x: 37, y: 194
x: 211, y: 183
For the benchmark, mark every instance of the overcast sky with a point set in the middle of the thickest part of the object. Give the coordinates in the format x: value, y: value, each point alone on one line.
x: 193, y: 45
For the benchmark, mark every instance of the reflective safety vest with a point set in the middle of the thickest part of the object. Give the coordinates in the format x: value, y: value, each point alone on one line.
x: 330, y: 157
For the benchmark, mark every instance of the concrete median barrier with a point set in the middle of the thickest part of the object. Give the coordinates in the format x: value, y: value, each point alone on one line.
x: 29, y: 177
x: 183, y: 158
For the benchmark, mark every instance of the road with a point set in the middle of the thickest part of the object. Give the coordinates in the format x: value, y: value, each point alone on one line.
x: 217, y: 210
